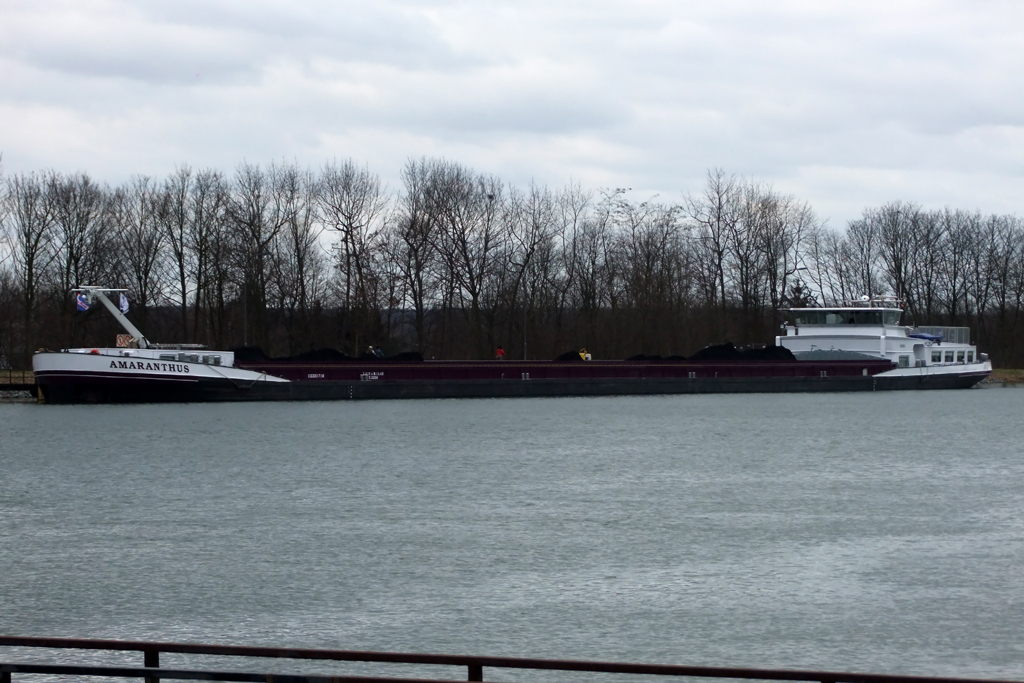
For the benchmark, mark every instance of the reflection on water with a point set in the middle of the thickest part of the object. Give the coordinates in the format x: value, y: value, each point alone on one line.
x: 878, y: 532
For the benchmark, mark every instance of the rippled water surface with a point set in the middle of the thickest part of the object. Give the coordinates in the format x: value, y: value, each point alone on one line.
x: 879, y: 532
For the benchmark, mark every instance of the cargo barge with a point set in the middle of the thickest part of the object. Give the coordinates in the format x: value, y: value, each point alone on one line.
x: 855, y: 348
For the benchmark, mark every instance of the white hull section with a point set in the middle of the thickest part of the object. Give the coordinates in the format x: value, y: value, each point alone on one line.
x: 966, y: 370
x: 138, y: 364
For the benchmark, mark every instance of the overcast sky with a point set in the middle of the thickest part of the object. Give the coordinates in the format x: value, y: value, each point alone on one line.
x: 843, y: 104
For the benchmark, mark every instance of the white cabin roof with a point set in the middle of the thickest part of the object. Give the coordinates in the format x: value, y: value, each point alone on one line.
x: 845, y: 308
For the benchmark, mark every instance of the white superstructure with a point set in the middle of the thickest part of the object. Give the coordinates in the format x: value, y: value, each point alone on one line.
x: 871, y: 327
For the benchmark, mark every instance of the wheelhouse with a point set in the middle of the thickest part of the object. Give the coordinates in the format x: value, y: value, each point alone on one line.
x: 871, y: 327
x: 803, y: 317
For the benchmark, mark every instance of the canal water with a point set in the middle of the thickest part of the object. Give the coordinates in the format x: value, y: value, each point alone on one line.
x: 879, y: 532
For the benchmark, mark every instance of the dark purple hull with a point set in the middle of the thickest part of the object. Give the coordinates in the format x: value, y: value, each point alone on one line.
x: 497, y: 379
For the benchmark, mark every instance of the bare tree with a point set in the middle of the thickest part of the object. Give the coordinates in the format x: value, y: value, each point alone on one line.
x: 412, y: 244
x: 132, y: 211
x: 786, y: 225
x: 746, y: 258
x: 1008, y: 254
x: 893, y: 224
x: 84, y: 251
x: 466, y: 207
x: 262, y: 205
x: 715, y: 214
x: 529, y: 226
x: 924, y: 261
x: 207, y: 239
x: 654, y: 271
x: 863, y: 242
x: 301, y: 267
x: 574, y: 207
x: 354, y: 205
x: 832, y: 270
x: 30, y: 213
x: 175, y: 220
x: 956, y: 229
x: 592, y: 246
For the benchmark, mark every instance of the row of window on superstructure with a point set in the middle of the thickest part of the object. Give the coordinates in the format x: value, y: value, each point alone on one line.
x: 183, y: 357
x: 940, y: 357
x: 947, y: 356
x: 846, y: 317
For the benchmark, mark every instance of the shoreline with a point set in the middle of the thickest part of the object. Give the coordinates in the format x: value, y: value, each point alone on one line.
x: 1006, y: 377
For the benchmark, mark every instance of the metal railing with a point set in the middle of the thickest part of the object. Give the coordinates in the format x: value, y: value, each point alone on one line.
x: 152, y: 672
x: 9, y: 376
x: 952, y: 335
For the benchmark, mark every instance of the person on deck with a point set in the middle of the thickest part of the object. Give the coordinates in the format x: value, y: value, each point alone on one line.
x: 500, y: 354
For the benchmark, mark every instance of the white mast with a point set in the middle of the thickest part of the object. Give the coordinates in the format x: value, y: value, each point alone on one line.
x: 97, y: 293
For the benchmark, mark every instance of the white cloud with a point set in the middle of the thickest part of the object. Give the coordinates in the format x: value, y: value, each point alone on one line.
x: 845, y: 104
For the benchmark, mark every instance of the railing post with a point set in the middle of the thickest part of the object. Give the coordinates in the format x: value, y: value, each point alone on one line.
x: 151, y: 660
x: 476, y: 672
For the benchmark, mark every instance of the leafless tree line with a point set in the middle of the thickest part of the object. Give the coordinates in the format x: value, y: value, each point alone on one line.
x: 949, y: 267
x: 454, y: 263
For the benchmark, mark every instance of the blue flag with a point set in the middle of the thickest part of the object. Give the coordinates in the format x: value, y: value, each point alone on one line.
x: 83, y: 304
x: 124, y: 303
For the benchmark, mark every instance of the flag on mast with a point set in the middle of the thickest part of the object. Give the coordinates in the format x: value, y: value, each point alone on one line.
x: 124, y: 303
x: 83, y: 303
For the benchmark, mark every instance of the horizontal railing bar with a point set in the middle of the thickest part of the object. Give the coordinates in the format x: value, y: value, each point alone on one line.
x: 469, y: 660
x: 196, y: 675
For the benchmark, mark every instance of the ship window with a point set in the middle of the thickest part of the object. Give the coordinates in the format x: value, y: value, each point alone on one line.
x: 836, y: 318
x: 904, y: 361
x: 959, y: 356
x: 936, y: 356
x: 841, y: 317
x: 867, y: 317
x: 949, y: 356
x: 167, y: 356
x: 809, y: 318
x: 970, y: 356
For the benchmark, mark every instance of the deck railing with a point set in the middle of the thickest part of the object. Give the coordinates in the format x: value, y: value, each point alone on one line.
x: 152, y: 672
x: 952, y: 335
x: 9, y: 376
